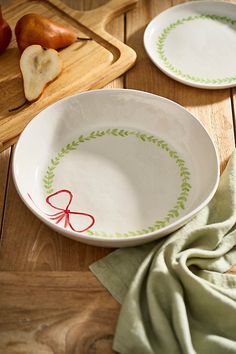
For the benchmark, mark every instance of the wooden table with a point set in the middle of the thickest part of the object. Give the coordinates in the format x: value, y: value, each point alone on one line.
x: 49, y: 300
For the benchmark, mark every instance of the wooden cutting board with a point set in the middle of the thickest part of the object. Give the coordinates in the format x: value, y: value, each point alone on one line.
x: 87, y: 64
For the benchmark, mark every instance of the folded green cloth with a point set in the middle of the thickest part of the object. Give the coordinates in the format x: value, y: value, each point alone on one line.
x: 175, y: 296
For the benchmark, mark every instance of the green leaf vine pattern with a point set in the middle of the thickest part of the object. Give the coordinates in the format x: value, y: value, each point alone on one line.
x: 146, y: 138
x: 161, y: 50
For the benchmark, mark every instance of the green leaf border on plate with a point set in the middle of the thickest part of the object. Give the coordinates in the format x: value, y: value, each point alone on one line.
x: 184, y: 172
x: 161, y: 50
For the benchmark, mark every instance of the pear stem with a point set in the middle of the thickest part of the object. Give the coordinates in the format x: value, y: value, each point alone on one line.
x: 84, y: 39
x: 18, y: 107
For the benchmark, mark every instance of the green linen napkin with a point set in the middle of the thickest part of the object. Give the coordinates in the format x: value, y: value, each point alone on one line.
x: 175, y: 296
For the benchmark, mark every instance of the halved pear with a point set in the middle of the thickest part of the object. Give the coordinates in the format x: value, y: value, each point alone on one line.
x: 39, y: 66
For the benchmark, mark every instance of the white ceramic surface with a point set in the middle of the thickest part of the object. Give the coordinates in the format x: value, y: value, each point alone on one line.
x: 114, y: 167
x: 195, y: 43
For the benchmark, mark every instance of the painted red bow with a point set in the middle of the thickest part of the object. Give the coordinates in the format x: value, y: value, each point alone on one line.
x: 65, y: 213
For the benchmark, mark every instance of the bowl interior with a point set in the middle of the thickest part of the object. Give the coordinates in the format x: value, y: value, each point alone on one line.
x: 115, y: 164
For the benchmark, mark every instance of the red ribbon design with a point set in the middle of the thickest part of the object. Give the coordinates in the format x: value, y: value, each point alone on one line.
x: 66, y: 212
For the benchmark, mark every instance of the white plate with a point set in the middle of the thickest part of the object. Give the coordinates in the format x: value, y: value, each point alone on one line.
x: 115, y: 167
x: 195, y: 43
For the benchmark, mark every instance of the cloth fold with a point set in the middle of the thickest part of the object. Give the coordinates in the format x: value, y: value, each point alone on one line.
x: 175, y: 296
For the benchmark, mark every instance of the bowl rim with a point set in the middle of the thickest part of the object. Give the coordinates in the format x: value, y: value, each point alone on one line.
x: 148, y: 236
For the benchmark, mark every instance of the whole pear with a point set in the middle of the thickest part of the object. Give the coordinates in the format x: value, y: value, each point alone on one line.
x: 5, y: 33
x: 37, y: 29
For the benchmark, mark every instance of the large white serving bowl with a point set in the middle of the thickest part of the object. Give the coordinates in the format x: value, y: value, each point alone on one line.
x: 116, y: 167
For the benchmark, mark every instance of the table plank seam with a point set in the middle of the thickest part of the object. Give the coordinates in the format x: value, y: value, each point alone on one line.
x: 5, y: 195
x: 233, y: 114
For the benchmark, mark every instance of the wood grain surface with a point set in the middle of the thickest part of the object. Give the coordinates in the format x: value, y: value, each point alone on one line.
x: 49, y: 301
x: 55, y: 312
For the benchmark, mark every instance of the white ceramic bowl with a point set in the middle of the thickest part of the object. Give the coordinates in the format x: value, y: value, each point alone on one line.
x: 193, y: 43
x: 114, y: 167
